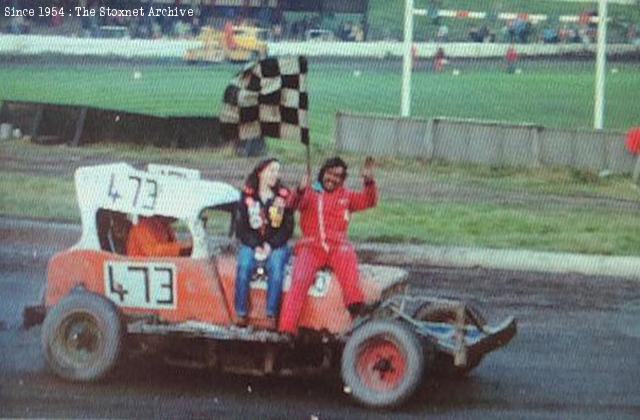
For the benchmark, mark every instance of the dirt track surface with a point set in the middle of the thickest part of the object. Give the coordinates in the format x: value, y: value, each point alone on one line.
x: 574, y: 355
x: 62, y: 162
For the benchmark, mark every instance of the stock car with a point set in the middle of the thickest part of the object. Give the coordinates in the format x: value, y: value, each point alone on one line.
x: 99, y: 304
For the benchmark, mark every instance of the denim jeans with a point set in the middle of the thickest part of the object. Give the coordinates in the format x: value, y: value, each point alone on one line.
x: 274, y: 266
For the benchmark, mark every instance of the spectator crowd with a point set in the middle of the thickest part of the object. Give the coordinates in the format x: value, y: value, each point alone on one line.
x: 281, y: 26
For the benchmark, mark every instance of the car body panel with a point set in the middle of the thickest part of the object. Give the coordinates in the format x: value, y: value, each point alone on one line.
x: 192, y: 297
x: 203, y: 289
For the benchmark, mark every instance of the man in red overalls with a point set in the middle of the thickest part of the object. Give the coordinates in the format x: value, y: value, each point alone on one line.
x: 511, y: 57
x: 325, y: 208
x: 154, y: 237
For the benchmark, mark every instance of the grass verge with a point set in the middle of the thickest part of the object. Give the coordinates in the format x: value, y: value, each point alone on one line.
x: 591, y: 231
x: 542, y: 181
x: 38, y: 197
x: 566, y: 182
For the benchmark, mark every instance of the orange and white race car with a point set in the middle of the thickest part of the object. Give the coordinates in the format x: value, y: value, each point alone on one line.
x: 100, y: 304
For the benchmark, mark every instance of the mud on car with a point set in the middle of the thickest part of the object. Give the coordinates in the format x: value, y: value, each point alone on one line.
x: 100, y: 304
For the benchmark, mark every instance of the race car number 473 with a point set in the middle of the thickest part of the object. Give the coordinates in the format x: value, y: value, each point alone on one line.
x: 141, y: 285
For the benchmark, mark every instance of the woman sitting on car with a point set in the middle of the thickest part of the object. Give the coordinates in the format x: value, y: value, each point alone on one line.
x: 264, y: 226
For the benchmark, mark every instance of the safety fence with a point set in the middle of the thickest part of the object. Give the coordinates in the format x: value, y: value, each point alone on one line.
x: 28, y: 45
x: 483, y: 142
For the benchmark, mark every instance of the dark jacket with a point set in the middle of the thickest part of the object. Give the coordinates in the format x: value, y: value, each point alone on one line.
x: 266, y: 228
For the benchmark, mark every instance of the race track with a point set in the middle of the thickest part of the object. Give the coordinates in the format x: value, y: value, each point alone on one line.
x: 575, y: 355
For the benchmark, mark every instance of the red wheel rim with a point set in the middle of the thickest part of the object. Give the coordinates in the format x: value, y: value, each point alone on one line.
x: 381, y: 364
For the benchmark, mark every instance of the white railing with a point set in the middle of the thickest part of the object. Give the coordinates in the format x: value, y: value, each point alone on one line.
x: 173, y: 48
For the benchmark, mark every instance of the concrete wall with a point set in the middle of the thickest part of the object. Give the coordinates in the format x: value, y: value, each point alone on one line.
x: 483, y: 142
x: 405, y: 137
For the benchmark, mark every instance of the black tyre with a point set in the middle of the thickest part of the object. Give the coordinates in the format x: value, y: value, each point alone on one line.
x: 82, y: 337
x: 443, y: 363
x: 382, y: 363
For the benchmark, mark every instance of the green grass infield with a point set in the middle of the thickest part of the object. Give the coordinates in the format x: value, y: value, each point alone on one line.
x: 554, y: 95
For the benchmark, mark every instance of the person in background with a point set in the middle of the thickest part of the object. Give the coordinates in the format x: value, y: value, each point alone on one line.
x: 154, y: 237
x: 325, y: 211
x: 229, y: 37
x: 511, y: 57
x: 443, y: 33
x: 264, y: 226
x: 439, y: 60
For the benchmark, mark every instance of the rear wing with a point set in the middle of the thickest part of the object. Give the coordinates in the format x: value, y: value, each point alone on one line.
x: 161, y: 190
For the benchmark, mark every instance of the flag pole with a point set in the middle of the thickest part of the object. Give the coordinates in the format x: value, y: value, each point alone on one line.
x: 308, y: 147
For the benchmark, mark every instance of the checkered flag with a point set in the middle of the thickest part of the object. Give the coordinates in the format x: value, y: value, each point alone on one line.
x: 267, y: 99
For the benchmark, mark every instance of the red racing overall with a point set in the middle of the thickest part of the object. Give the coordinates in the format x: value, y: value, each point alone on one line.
x: 324, y: 221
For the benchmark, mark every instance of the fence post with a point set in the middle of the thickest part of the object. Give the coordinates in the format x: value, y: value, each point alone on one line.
x: 396, y: 137
x: 636, y: 170
x: 428, y: 139
x: 35, y: 123
x: 435, y: 137
x: 605, y: 154
x: 536, y: 146
x: 77, y: 136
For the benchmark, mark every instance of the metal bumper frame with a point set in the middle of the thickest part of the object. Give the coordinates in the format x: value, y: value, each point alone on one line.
x: 467, y: 337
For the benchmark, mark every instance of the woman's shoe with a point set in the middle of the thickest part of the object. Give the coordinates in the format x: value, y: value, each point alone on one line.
x: 241, y: 322
x: 272, y: 323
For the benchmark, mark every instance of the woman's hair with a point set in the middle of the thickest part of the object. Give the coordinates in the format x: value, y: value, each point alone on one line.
x: 252, y: 183
x: 334, y: 162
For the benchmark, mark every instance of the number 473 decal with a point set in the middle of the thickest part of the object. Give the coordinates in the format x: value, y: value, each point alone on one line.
x: 140, y: 192
x: 141, y: 285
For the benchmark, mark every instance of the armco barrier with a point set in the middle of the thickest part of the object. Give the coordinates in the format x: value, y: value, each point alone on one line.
x: 483, y: 142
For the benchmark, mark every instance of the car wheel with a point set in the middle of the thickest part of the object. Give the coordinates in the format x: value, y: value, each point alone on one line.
x: 82, y: 337
x: 443, y: 363
x: 382, y: 363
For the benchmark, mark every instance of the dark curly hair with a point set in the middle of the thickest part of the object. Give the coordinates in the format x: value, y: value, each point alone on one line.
x: 253, y: 180
x: 334, y: 162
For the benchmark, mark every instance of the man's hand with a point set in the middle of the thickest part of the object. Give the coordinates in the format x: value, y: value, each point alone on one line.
x: 367, y: 169
x: 304, y: 182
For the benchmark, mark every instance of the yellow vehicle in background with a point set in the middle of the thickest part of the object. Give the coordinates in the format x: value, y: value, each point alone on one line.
x: 233, y: 43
